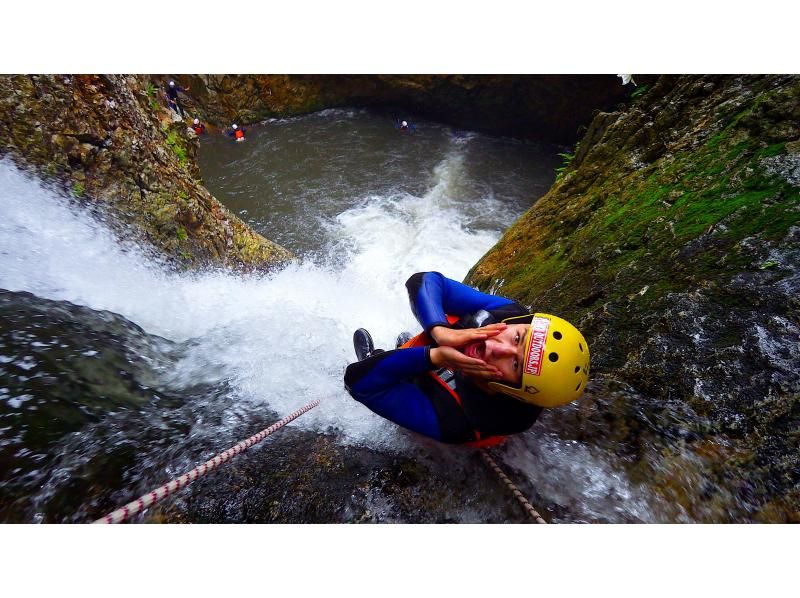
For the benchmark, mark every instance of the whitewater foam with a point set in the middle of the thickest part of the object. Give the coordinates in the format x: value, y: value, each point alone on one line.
x: 282, y: 339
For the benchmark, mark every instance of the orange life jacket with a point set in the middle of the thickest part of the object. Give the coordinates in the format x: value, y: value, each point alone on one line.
x: 423, y: 339
x: 198, y: 129
x: 239, y: 134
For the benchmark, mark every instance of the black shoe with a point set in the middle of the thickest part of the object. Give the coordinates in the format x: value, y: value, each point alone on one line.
x: 402, y: 339
x: 362, y: 342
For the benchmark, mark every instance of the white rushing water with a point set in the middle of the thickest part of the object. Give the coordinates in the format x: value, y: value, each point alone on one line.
x: 282, y: 339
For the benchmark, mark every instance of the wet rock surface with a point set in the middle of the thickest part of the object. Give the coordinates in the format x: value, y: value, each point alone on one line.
x: 672, y: 240
x: 297, y: 477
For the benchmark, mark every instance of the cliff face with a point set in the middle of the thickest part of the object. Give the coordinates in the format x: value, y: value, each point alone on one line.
x: 673, y: 240
x: 542, y: 107
x: 110, y: 139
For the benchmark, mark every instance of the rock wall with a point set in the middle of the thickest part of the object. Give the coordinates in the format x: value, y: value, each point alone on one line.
x: 113, y: 143
x: 673, y: 239
x: 541, y: 107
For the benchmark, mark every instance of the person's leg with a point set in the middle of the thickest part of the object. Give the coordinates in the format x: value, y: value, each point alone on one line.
x: 406, y: 406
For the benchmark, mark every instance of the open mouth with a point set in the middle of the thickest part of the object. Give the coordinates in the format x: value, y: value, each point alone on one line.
x: 476, y: 350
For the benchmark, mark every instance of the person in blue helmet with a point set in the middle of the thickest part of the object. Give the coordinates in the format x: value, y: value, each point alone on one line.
x: 483, y: 368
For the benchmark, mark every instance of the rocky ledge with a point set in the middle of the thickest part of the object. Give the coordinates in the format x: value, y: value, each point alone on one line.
x: 113, y: 144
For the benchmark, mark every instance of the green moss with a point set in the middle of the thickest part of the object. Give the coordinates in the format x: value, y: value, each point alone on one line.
x: 772, y: 150
x: 151, y: 94
x: 78, y: 190
x: 163, y: 212
x: 736, y: 151
x: 181, y: 234
x: 566, y: 159
x: 706, y: 194
x: 174, y: 141
x: 628, y: 229
x: 640, y: 91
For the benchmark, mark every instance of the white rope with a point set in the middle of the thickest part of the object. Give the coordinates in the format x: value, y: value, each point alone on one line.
x: 146, y: 500
x: 517, y: 494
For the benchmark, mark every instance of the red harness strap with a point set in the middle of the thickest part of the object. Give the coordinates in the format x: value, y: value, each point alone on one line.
x: 423, y: 339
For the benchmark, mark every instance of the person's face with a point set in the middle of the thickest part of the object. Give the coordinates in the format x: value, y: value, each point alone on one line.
x: 505, y: 351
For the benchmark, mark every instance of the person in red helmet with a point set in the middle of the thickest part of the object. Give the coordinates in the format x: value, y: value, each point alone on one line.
x: 483, y: 368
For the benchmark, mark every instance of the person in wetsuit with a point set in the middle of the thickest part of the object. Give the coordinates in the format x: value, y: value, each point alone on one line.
x: 172, y: 97
x: 236, y: 132
x: 198, y: 127
x: 483, y: 368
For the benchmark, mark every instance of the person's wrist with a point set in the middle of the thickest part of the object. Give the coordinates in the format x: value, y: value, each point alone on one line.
x: 435, y: 355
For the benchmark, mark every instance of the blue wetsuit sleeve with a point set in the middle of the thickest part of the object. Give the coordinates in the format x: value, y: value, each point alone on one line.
x: 383, y: 383
x: 385, y: 369
x: 433, y: 296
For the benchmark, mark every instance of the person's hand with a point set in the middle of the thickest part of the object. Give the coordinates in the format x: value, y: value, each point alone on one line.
x: 449, y: 357
x: 452, y: 337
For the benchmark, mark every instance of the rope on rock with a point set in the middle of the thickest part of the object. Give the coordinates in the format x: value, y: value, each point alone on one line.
x: 519, y: 496
x: 146, y: 500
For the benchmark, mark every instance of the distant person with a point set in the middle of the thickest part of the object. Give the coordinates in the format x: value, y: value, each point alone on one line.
x: 172, y: 97
x: 236, y: 132
x: 405, y: 127
x: 199, y: 128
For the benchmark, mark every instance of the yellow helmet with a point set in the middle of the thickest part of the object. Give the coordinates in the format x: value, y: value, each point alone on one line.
x: 556, y: 366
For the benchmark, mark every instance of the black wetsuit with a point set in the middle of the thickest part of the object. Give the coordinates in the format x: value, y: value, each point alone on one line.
x: 172, y: 98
